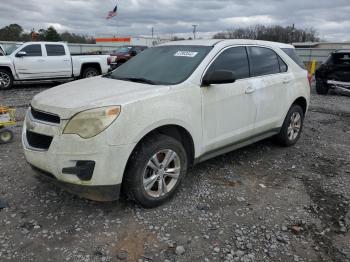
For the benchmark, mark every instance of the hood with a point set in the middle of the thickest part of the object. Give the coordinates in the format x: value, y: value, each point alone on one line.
x: 68, y: 99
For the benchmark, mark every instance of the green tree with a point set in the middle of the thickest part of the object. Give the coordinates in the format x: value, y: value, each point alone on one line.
x: 52, y: 35
x: 11, y: 32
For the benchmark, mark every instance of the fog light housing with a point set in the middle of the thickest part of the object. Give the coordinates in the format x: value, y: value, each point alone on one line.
x: 83, y: 170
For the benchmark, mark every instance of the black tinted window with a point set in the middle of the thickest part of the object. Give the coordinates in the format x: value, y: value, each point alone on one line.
x: 55, y: 50
x: 32, y: 50
x: 168, y: 65
x: 292, y: 54
x: 283, y: 65
x: 263, y: 61
x: 234, y: 59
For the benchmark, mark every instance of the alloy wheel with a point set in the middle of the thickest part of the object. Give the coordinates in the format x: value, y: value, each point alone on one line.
x: 294, y: 126
x: 161, y: 173
x: 5, y: 80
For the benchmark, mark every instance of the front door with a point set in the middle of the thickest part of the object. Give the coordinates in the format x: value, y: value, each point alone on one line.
x: 32, y: 65
x: 228, y: 109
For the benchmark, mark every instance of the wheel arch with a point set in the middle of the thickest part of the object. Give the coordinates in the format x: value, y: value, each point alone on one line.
x: 90, y: 64
x: 9, y: 69
x: 175, y: 131
x: 302, y: 102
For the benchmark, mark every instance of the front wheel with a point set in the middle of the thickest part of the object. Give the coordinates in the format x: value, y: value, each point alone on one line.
x: 292, y: 126
x: 155, y: 171
x: 321, y: 87
x: 6, y: 79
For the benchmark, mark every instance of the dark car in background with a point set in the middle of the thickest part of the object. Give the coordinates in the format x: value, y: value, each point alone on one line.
x: 334, y: 73
x: 123, y: 54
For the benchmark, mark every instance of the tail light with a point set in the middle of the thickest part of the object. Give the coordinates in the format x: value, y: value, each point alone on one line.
x: 109, y: 60
x: 309, y: 78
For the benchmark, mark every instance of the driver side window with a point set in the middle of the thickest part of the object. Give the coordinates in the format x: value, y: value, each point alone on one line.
x: 33, y: 50
x: 235, y: 60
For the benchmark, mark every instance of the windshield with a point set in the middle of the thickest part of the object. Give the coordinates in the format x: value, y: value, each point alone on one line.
x: 9, y: 50
x: 163, y: 65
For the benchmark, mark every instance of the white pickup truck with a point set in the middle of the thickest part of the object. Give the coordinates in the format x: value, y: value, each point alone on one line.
x: 42, y: 61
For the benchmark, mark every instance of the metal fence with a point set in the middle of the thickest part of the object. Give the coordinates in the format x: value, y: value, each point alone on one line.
x: 307, y: 55
x: 76, y: 48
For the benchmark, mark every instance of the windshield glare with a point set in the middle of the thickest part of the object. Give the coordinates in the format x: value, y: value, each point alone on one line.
x: 163, y: 65
x: 9, y: 50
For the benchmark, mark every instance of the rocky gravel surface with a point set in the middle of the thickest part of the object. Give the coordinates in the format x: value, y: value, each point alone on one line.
x: 259, y: 203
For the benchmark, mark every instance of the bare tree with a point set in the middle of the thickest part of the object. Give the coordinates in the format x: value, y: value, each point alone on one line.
x: 270, y: 33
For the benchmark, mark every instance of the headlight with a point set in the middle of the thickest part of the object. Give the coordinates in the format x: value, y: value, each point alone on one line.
x: 91, y: 122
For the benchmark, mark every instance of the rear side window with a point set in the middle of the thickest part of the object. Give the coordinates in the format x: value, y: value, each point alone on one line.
x: 235, y: 60
x: 33, y: 50
x: 283, y: 65
x: 55, y: 50
x: 292, y: 54
x: 263, y: 61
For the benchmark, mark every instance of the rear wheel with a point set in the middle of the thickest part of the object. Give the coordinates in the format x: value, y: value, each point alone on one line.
x: 155, y: 171
x: 6, y: 136
x: 6, y: 79
x: 321, y: 87
x: 90, y: 72
x: 292, y: 126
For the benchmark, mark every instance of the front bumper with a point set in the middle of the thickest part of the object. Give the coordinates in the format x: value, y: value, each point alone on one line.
x: 64, y: 154
x: 343, y: 87
x: 96, y: 193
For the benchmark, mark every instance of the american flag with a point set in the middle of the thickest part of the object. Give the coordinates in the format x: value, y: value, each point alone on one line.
x: 112, y: 13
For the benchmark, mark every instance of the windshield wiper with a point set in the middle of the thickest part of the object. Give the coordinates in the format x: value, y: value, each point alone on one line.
x: 138, y: 80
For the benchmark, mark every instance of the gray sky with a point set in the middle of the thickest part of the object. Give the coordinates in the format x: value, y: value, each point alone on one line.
x: 136, y: 17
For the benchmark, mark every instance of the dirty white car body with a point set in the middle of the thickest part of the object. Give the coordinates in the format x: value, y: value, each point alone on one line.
x: 33, y: 61
x: 211, y: 119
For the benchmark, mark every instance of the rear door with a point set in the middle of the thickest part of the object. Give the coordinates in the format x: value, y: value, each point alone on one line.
x: 58, y: 61
x: 271, y: 81
x: 32, y: 65
x: 228, y: 109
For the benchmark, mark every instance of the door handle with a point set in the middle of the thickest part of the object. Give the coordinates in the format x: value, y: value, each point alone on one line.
x: 66, y: 60
x: 250, y: 90
x: 41, y: 60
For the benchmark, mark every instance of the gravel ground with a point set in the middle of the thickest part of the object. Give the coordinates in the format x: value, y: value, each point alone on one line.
x: 259, y: 203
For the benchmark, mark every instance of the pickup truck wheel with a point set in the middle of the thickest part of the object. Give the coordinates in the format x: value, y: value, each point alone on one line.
x: 6, y: 136
x: 321, y: 87
x: 6, y: 79
x: 155, y: 171
x: 292, y: 126
x: 90, y: 72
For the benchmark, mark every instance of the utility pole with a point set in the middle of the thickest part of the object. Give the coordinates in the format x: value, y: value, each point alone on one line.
x: 194, y: 31
x: 292, y: 37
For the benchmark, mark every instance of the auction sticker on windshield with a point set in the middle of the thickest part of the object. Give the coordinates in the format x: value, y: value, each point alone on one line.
x: 186, y: 54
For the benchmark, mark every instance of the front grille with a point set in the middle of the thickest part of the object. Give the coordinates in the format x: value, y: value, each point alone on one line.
x: 39, y: 141
x: 46, y: 117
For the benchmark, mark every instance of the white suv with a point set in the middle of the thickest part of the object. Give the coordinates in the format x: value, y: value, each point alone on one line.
x: 139, y: 128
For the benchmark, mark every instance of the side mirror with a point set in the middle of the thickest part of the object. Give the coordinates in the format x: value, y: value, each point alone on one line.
x: 21, y: 54
x: 133, y: 53
x: 218, y: 77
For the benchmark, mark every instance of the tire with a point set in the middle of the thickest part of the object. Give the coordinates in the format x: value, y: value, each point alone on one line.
x: 6, y: 79
x: 144, y: 178
x: 90, y: 72
x: 6, y: 136
x: 288, y: 136
x: 321, y: 87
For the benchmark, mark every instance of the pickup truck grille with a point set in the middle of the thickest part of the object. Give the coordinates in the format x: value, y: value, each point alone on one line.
x: 45, y: 117
x: 38, y: 141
